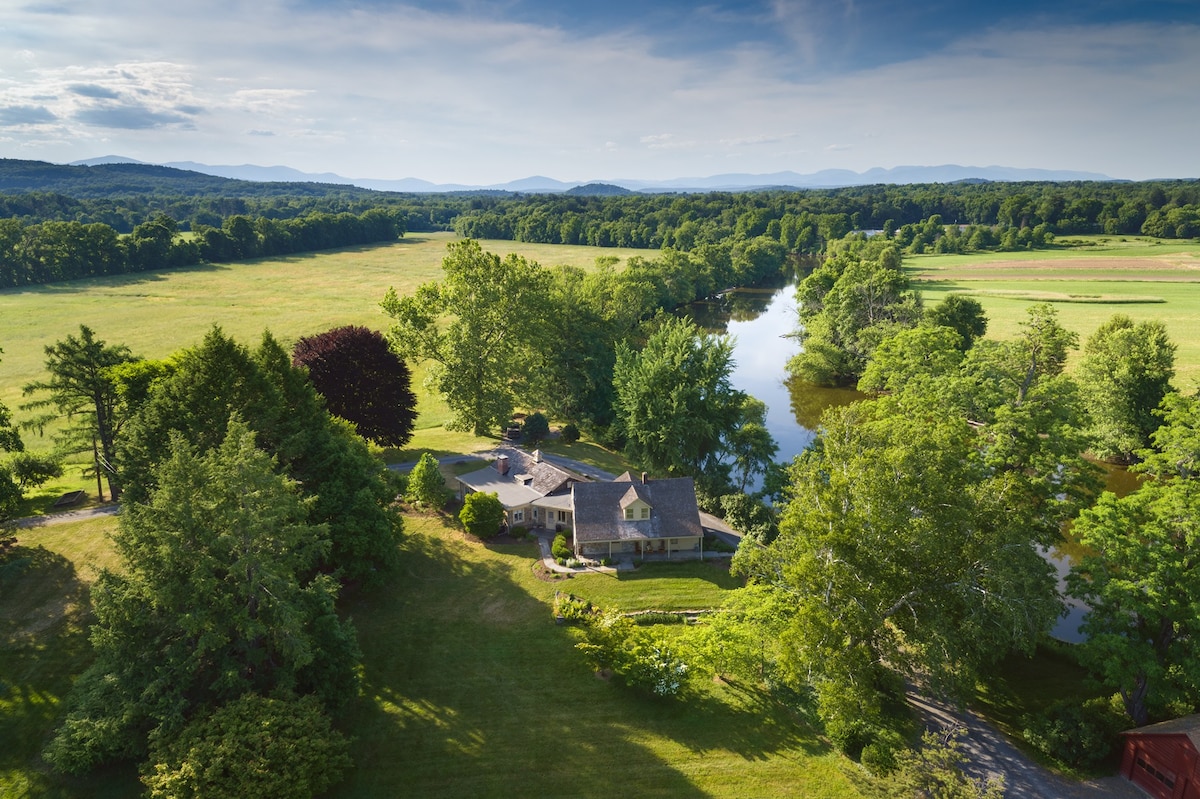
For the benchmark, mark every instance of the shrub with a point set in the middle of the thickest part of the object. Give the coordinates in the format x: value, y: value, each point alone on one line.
x: 482, y: 514
x: 1081, y: 735
x: 426, y: 485
x: 520, y: 531
x: 659, y: 617
x: 560, y: 549
x: 642, y: 661
x: 569, y: 433
x: 879, y: 756
x: 572, y: 608
x: 535, y: 428
x: 252, y: 746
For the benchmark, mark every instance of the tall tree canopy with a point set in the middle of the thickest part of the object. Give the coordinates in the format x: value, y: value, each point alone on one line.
x: 81, y: 390
x: 211, y: 603
x: 477, y: 325
x: 351, y: 489
x: 899, y: 556
x: 857, y: 297
x: 1142, y: 580
x: 680, y: 414
x: 1125, y: 373
x: 362, y: 381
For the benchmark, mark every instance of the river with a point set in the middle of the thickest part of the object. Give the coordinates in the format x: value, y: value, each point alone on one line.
x: 761, y: 322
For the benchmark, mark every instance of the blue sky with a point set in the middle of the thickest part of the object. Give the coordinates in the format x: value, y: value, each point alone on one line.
x: 479, y: 92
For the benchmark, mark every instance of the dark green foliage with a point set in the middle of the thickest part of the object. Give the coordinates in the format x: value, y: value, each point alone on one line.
x: 560, y: 549
x: 212, y: 602
x: 81, y: 390
x: 252, y: 746
x: 857, y: 298
x: 750, y: 516
x: 569, y: 433
x: 963, y: 315
x: 362, y: 381
x: 1080, y: 735
x: 1142, y: 634
x: 482, y: 514
x: 352, y: 493
x: 641, y: 659
x: 535, y: 428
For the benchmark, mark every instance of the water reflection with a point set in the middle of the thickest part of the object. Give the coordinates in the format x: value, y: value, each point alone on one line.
x: 761, y: 322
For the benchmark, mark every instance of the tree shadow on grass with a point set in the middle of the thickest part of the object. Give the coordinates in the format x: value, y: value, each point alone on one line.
x: 44, y: 613
x: 470, y: 689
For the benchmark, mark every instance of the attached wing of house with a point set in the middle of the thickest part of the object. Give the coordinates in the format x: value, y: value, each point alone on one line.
x: 637, y: 517
x: 533, y: 491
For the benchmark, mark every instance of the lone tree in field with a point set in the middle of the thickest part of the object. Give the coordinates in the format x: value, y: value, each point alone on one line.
x: 363, y: 382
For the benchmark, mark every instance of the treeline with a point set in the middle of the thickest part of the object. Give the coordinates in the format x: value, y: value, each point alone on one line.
x: 983, y: 216
x: 125, y: 212
x: 48, y: 252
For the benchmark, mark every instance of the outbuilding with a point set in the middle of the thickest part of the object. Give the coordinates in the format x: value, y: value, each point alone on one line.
x: 1164, y: 759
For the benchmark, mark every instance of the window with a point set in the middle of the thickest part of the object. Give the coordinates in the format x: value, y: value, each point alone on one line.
x: 628, y: 513
x: 535, y: 513
x: 518, y: 516
x: 645, y: 513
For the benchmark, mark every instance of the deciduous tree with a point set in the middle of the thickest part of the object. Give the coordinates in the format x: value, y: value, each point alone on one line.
x: 1142, y: 584
x: 477, y: 325
x: 679, y: 412
x: 901, y: 556
x: 252, y: 746
x: 426, y: 485
x: 1125, y: 373
x: 362, y: 381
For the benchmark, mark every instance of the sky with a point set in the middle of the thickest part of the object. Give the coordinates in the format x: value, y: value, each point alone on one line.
x: 487, y: 91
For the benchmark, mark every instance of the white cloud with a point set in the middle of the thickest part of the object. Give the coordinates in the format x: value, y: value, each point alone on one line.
x: 397, y: 91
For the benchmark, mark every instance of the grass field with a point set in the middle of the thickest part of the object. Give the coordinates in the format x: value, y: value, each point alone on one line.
x: 157, y: 313
x: 471, y: 690
x: 1089, y: 281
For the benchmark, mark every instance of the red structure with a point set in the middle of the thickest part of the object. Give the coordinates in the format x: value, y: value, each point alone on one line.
x: 1164, y: 759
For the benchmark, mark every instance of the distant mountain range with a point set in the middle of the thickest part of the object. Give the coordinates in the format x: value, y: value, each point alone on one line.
x: 825, y: 179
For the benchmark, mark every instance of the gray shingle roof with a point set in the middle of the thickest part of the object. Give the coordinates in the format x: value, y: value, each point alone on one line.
x: 599, y: 515
x: 528, y: 478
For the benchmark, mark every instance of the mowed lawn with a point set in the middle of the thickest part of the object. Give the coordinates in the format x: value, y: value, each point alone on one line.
x: 1087, y: 283
x: 470, y: 689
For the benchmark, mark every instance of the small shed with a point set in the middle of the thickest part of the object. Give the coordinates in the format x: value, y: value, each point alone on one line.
x: 1164, y: 759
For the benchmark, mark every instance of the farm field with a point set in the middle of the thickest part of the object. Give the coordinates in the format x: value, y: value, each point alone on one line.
x: 470, y: 689
x: 1096, y: 277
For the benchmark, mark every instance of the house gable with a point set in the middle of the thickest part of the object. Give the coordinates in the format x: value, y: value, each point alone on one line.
x: 654, y: 513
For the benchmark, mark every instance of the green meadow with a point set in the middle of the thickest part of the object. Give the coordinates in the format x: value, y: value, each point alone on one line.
x: 157, y: 313
x: 1087, y: 279
x: 470, y: 688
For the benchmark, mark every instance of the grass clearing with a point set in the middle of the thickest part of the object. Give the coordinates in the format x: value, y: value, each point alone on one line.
x: 690, y: 585
x: 1089, y: 281
x: 474, y: 691
x: 157, y: 313
x: 470, y: 688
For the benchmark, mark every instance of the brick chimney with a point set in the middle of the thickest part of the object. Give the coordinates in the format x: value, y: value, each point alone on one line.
x: 502, y: 464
